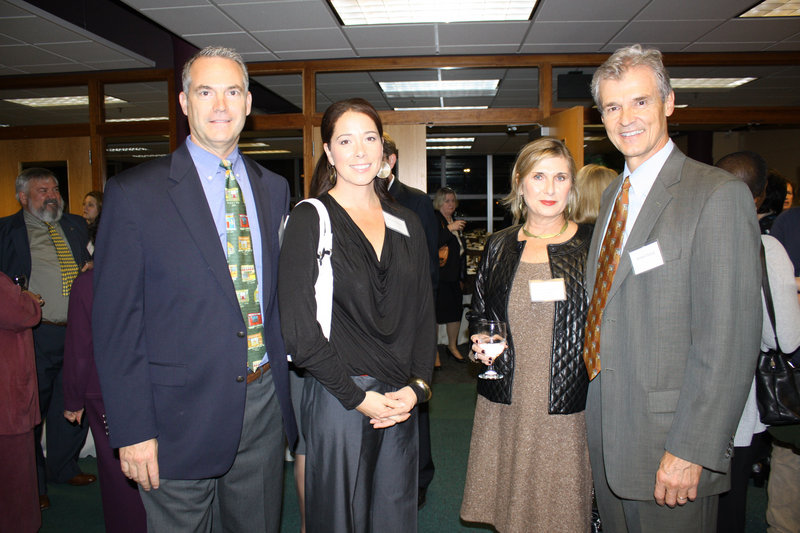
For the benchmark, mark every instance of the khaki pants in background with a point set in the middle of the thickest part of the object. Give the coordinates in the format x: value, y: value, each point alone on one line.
x: 783, y: 491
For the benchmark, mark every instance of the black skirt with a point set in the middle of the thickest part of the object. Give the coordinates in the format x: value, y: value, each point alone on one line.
x: 449, y: 306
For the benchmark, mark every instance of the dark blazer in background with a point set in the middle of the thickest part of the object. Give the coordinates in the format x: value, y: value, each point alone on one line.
x: 678, y: 343
x: 15, y: 250
x: 421, y: 204
x: 169, y: 337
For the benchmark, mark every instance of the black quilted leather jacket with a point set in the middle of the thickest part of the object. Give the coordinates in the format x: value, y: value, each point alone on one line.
x: 568, y: 377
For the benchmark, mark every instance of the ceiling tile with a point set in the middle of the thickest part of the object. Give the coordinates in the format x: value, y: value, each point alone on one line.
x: 147, y: 4
x: 663, y: 47
x: 192, y: 20
x: 9, y: 10
x: 480, y: 49
x: 281, y: 16
x: 54, y: 68
x: 117, y: 64
x: 315, y: 54
x: 15, y: 56
x: 665, y: 31
x: 242, y: 42
x: 725, y: 47
x: 785, y: 46
x: 401, y: 51
x: 484, y: 33
x: 573, y: 32
x: 391, y: 36
x: 86, y: 52
x: 705, y: 9
x: 545, y: 48
x: 38, y: 30
x: 255, y: 57
x: 594, y: 10
x: 753, y: 30
x: 4, y: 40
x: 317, y: 39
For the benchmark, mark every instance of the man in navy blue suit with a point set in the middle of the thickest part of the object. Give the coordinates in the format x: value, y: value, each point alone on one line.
x: 199, y: 429
x: 27, y: 248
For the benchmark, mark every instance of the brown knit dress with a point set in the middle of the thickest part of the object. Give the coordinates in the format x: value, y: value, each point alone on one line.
x: 528, y: 470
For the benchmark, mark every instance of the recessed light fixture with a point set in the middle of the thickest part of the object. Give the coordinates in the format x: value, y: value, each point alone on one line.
x: 61, y: 101
x: 774, y: 8
x: 446, y: 108
x: 135, y: 119
x: 708, y: 83
x: 467, y: 170
x: 450, y: 147
x: 359, y: 12
x: 450, y: 139
x: 439, y: 88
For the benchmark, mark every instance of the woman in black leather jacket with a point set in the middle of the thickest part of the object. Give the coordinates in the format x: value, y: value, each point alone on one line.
x: 529, y: 464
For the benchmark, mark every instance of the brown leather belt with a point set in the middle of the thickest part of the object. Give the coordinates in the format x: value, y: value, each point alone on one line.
x: 61, y: 324
x: 252, y: 376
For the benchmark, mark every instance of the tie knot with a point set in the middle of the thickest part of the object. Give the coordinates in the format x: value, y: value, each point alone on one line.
x: 225, y: 164
x: 627, y: 183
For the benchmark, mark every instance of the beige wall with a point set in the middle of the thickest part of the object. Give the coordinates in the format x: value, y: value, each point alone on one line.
x: 781, y: 148
x: 73, y: 150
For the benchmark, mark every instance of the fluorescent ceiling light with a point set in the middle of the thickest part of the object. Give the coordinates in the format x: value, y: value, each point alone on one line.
x: 450, y: 147
x: 250, y: 152
x: 60, y: 101
x: 127, y: 149
x: 147, y: 156
x: 253, y: 145
x: 450, y: 139
x: 708, y: 83
x: 681, y: 106
x: 591, y: 138
x: 135, y: 119
x: 453, y: 108
x: 774, y: 8
x: 437, y: 88
x: 360, y: 12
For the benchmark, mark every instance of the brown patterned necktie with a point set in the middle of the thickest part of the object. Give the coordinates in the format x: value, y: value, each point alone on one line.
x: 69, y: 268
x: 608, y: 261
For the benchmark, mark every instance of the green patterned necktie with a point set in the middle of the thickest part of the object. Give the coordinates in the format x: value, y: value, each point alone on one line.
x: 242, y: 266
x: 69, y: 268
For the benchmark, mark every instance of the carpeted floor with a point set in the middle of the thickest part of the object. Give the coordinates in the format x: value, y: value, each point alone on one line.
x: 77, y: 509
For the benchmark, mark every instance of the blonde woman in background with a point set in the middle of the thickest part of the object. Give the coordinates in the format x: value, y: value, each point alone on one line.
x: 591, y: 181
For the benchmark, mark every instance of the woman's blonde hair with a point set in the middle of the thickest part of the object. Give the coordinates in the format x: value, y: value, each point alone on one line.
x: 527, y: 159
x: 590, y: 182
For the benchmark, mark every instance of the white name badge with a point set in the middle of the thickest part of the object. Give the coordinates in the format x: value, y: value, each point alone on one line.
x: 547, y: 290
x: 646, y: 258
x: 395, y: 224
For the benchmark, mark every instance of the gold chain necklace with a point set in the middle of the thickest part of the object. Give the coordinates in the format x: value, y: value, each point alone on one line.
x: 562, y: 230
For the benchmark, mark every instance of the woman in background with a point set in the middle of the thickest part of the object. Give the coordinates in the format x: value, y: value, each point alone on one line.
x: 528, y: 461
x: 590, y: 182
x: 361, y: 383
x: 92, y: 207
x: 774, y: 198
x: 449, y: 298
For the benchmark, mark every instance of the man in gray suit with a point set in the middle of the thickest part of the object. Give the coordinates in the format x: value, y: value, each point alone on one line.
x: 675, y: 319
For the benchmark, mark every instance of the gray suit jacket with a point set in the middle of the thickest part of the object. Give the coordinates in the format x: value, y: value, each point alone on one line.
x: 679, y: 343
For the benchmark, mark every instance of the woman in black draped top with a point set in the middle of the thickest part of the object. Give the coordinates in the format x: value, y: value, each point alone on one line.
x: 361, y: 447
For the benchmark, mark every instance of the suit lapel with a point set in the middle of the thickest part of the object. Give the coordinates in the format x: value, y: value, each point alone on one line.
x: 657, y: 200
x: 19, y: 234
x: 190, y: 201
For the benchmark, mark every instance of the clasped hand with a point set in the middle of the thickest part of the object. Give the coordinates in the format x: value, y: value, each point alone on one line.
x: 386, y: 410
x: 478, y: 352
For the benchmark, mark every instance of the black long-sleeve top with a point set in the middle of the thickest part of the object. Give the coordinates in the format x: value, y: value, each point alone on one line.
x: 383, y: 320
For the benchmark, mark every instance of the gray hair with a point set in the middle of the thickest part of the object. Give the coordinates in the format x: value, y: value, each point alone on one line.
x: 22, y: 184
x: 627, y: 58
x: 214, y: 51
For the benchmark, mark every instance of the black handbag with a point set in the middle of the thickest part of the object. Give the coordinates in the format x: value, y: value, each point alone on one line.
x: 777, y: 378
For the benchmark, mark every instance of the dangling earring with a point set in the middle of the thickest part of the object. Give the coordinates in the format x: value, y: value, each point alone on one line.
x: 385, y: 171
x: 521, y: 204
x: 332, y: 174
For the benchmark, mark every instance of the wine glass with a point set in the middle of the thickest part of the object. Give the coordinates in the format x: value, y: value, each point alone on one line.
x: 490, y: 335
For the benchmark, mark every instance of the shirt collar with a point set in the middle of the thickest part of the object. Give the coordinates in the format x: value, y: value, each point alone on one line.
x: 207, y: 164
x: 644, y: 176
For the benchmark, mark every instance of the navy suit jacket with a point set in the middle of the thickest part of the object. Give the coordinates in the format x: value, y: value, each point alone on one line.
x: 169, y: 338
x: 15, y: 250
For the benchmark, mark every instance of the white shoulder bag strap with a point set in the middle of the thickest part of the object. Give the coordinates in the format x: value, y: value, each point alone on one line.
x: 323, y: 287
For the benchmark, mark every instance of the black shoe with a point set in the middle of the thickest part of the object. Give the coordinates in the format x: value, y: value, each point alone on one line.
x: 421, y: 498
x: 461, y: 359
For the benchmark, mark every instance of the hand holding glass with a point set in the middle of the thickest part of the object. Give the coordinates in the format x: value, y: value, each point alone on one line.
x: 490, y: 336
